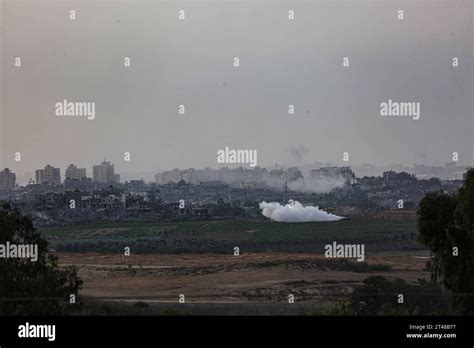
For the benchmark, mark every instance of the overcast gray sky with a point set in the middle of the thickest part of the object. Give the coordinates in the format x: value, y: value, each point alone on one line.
x: 190, y: 62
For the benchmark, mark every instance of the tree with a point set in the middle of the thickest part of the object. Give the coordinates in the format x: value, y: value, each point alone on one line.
x: 446, y: 226
x: 380, y: 296
x: 30, y: 287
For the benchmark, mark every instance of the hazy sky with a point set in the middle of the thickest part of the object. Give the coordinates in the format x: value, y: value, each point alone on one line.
x: 190, y: 62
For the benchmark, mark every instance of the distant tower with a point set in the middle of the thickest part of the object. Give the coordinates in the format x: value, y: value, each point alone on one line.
x: 285, y: 197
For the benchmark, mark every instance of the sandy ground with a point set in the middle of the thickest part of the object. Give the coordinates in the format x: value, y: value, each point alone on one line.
x: 210, y: 278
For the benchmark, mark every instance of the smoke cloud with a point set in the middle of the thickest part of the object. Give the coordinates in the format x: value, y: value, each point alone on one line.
x: 308, y: 185
x: 298, y: 153
x: 320, y: 185
x: 295, y: 212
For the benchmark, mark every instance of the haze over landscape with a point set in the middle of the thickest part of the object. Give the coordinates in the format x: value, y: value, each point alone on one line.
x: 191, y: 63
x: 237, y: 157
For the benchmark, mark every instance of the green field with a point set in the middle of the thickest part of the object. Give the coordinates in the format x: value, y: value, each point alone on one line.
x: 263, y: 233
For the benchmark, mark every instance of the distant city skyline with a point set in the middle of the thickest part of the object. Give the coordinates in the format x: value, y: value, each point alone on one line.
x: 76, y: 172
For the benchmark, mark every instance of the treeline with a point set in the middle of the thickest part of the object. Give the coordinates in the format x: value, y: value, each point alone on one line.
x: 198, y: 246
x: 380, y: 296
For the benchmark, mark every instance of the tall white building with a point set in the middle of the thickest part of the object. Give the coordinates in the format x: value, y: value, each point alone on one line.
x: 48, y: 176
x: 105, y: 173
x: 72, y: 172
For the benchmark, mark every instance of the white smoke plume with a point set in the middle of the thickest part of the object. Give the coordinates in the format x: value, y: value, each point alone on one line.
x: 308, y: 185
x: 295, y: 212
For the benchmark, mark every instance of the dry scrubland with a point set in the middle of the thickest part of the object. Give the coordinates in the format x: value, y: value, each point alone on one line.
x: 259, y: 277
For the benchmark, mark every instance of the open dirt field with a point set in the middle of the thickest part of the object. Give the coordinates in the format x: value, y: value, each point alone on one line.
x: 248, y: 278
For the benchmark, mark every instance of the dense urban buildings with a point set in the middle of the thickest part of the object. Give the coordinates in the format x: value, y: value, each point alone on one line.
x: 211, y: 193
